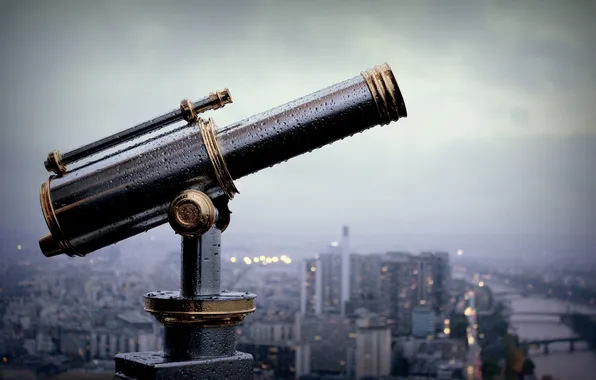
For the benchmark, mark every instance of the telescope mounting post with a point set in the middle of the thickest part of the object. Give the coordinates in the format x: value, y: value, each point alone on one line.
x: 199, y: 321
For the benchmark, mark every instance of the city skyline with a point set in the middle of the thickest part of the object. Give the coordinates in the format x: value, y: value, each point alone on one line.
x: 499, y: 140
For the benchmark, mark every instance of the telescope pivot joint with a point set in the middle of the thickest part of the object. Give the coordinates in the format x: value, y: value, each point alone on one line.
x: 192, y: 213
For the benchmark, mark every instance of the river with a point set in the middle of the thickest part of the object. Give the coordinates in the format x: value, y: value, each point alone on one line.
x: 560, y: 363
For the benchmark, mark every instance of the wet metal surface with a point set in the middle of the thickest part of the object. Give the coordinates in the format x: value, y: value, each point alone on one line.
x: 130, y: 192
x: 184, y: 343
x: 212, y: 101
x: 156, y: 366
x: 201, y: 264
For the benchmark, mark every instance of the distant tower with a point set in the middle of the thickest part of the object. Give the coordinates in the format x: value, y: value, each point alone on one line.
x: 345, y: 268
x: 311, y: 295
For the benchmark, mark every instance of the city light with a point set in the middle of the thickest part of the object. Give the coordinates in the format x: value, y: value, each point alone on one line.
x: 334, y: 244
x: 470, y: 340
x: 447, y: 331
x: 481, y: 284
x: 263, y: 260
x: 446, y: 322
x: 460, y: 252
x: 19, y: 247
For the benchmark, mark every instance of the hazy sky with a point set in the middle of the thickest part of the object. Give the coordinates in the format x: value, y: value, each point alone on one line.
x: 501, y: 97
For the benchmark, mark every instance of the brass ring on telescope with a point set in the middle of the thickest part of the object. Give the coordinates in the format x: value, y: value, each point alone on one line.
x: 386, y: 94
x: 225, y: 180
x: 188, y: 110
x: 60, y: 243
x: 54, y: 163
x: 221, y: 309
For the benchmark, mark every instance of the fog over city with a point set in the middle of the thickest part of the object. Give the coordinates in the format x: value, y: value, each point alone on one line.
x: 500, y: 138
x: 456, y: 243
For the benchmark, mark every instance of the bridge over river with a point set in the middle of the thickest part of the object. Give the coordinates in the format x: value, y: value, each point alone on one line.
x: 537, y: 321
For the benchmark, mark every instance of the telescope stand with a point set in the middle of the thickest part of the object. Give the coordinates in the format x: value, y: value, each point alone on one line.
x: 200, y: 320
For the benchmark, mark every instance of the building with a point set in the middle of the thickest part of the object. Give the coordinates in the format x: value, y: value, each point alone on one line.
x: 442, y: 282
x: 272, y: 341
x: 373, y: 306
x: 327, y: 343
x: 451, y: 370
x: 373, y: 347
x: 433, y: 277
x: 365, y: 277
x: 424, y: 321
x: 425, y: 274
x: 281, y: 359
x: 311, y: 282
x: 399, y: 287
x: 330, y: 265
x: 345, y: 268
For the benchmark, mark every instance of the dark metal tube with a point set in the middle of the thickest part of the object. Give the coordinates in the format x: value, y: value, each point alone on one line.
x: 213, y: 101
x: 130, y: 193
x: 201, y: 264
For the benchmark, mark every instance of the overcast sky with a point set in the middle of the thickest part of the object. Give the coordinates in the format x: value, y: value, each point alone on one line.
x: 500, y: 138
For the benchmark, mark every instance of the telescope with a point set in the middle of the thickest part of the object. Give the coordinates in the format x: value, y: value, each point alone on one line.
x: 145, y: 176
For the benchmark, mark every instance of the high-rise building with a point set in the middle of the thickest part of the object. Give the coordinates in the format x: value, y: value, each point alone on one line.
x: 424, y: 321
x: 365, y: 277
x: 399, y: 288
x: 325, y: 282
x: 442, y: 281
x: 271, y: 340
x: 311, y: 283
x: 434, y: 274
x: 373, y: 347
x: 345, y: 268
x: 425, y: 274
x: 331, y: 283
x: 329, y: 339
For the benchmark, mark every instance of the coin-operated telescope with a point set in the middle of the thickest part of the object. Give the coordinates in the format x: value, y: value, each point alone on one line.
x: 118, y: 187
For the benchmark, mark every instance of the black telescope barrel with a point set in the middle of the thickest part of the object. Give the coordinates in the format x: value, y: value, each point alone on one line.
x: 130, y: 193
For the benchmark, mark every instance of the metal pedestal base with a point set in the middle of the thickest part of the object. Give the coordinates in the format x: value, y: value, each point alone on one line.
x: 199, y: 321
x: 154, y: 366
